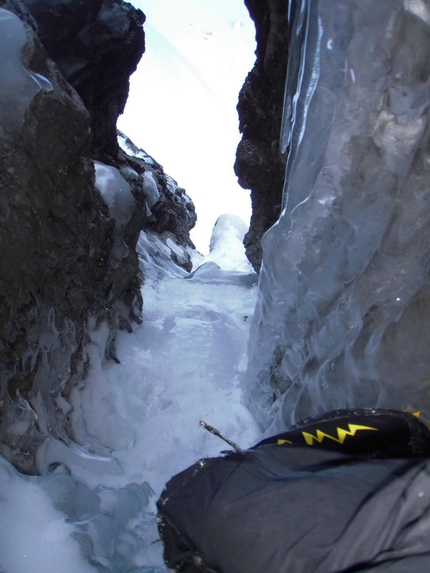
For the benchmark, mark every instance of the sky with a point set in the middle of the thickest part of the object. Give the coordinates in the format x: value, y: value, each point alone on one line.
x: 183, y: 96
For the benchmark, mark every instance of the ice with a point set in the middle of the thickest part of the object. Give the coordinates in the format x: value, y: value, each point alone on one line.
x: 150, y: 189
x: 47, y: 357
x: 34, y: 536
x: 226, y: 244
x: 115, y: 191
x: 70, y: 65
x: 129, y: 173
x: 116, y: 18
x: 135, y: 423
x: 182, y: 365
x: 156, y: 256
x: 76, y: 459
x: 117, y: 195
x: 128, y: 146
x: 17, y: 85
x: 342, y: 316
x: 57, y: 524
x: 343, y: 309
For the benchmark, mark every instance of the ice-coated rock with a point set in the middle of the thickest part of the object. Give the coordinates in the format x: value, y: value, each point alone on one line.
x: 17, y: 86
x: 59, y: 266
x: 150, y: 189
x: 170, y: 210
x: 344, y: 312
x: 226, y: 244
x: 115, y: 191
x: 118, y: 197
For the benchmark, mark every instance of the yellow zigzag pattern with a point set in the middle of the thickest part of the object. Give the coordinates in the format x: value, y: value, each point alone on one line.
x: 341, y: 434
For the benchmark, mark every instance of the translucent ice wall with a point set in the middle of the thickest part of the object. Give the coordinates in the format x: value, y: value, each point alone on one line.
x: 343, y: 316
x: 18, y: 85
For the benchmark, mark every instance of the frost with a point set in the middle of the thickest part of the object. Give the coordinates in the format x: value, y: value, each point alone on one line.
x: 343, y: 310
x: 128, y: 146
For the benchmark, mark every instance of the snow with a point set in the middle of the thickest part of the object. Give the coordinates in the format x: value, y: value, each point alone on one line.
x: 34, y: 536
x: 224, y: 251
x: 136, y: 423
x: 128, y: 146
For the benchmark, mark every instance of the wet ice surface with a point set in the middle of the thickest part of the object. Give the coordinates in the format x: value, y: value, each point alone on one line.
x: 117, y: 195
x: 137, y: 424
x: 18, y: 85
x: 226, y: 247
x: 343, y: 313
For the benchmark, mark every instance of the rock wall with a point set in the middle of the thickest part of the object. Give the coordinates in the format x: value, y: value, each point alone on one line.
x: 171, y: 210
x: 259, y: 164
x: 68, y: 259
x: 97, y: 45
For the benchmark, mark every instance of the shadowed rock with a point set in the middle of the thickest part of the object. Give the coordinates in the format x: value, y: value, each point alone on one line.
x: 259, y: 164
x: 97, y: 45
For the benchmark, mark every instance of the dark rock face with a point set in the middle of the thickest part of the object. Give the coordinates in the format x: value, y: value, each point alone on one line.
x: 97, y: 45
x: 67, y: 261
x: 55, y: 237
x: 259, y: 164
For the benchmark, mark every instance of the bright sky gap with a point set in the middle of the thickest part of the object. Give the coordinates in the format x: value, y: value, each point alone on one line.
x: 183, y: 96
